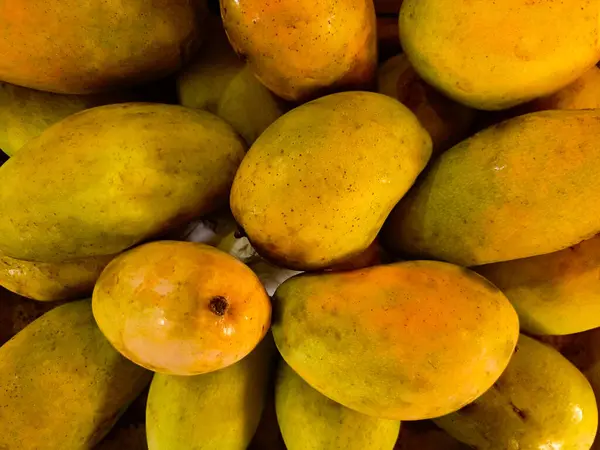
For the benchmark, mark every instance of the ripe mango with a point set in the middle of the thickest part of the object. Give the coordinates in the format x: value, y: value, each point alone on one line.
x: 541, y: 401
x: 310, y: 421
x: 446, y: 121
x: 557, y: 293
x: 524, y: 187
x: 181, y: 308
x: 62, y: 385
x: 301, y: 50
x: 214, y: 411
x: 70, y: 280
x: 109, y: 177
x: 494, y: 55
x: 25, y: 113
x: 317, y: 185
x: 74, y: 47
x: 221, y: 83
x: 376, y: 340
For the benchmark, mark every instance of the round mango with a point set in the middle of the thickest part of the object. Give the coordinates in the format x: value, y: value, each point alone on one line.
x: 406, y: 341
x: 317, y: 185
x: 77, y: 47
x: 181, y: 308
x: 300, y: 49
x: 494, y: 55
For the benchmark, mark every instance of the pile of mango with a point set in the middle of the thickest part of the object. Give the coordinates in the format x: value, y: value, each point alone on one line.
x: 270, y: 225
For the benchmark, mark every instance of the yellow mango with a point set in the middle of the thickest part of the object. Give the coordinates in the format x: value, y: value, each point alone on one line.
x: 62, y: 385
x: 446, y: 121
x: 75, y: 47
x: 317, y: 185
x: 214, y: 411
x: 494, y: 55
x: 25, y: 113
x: 310, y: 421
x: 301, y: 50
x: 524, y: 187
x: 541, y: 401
x: 109, y: 177
x: 376, y: 340
x: 557, y: 293
x: 68, y: 280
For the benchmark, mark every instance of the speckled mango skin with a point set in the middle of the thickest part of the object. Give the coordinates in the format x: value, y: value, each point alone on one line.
x: 107, y: 178
x: 310, y: 421
x: 497, y: 55
x: 376, y: 340
x: 153, y: 303
x: 301, y: 50
x: 74, y: 47
x: 525, y: 187
x: 62, y: 385
x: 213, y: 411
x: 69, y: 280
x: 540, y: 401
x: 554, y: 294
x: 317, y: 185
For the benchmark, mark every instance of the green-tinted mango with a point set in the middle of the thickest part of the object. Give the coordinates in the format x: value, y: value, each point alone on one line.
x: 109, y: 177
x: 317, y: 185
x: 214, y: 411
x: 62, y: 385
x: 310, y: 421
x: 404, y: 341
x: 541, y: 401
x: 524, y: 187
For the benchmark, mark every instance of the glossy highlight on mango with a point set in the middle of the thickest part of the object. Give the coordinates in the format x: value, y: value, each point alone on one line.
x: 181, y: 308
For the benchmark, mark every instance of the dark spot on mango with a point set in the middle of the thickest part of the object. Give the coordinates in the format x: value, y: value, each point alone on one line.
x: 219, y: 305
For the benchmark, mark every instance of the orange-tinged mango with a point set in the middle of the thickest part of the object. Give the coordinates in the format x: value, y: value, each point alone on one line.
x: 557, y: 293
x: 181, y: 308
x: 524, y: 187
x: 301, y: 50
x: 75, y: 47
x: 406, y: 341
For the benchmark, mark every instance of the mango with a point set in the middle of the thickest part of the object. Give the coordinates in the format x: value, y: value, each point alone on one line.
x: 17, y: 312
x: 219, y: 410
x: 301, y: 50
x: 181, y: 308
x: 525, y: 187
x: 493, y: 56
x: 377, y: 339
x: 219, y: 82
x: 62, y: 385
x: 557, y: 293
x: 425, y: 435
x: 70, y: 280
x: 26, y: 113
x: 446, y: 121
x: 540, y: 401
x: 73, y: 47
x: 317, y: 185
x: 104, y: 179
x: 310, y: 421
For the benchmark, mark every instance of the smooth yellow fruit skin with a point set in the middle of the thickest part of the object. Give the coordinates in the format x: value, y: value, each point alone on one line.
x: 554, y: 294
x: 446, y: 121
x: 525, y: 187
x: 541, y: 401
x: 494, y: 55
x: 70, y: 280
x: 304, y: 49
x: 109, y: 177
x: 62, y: 385
x: 310, y: 421
x: 377, y: 339
x: 317, y: 185
x: 214, y: 411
